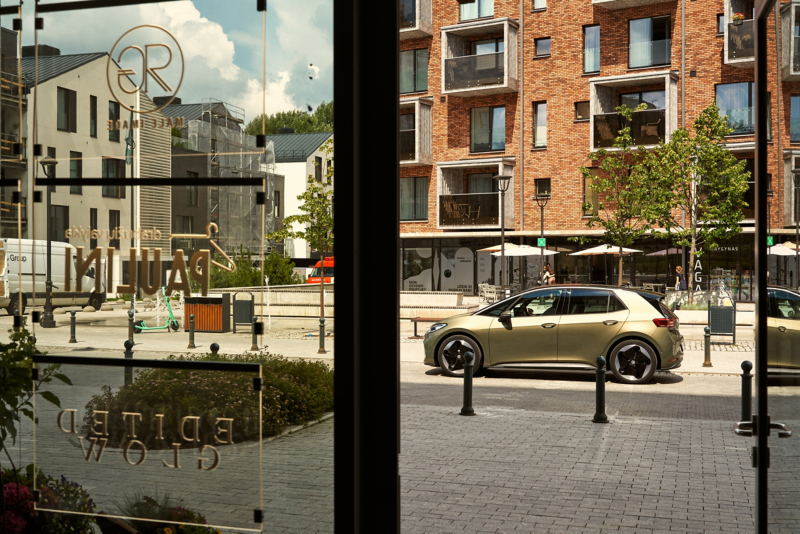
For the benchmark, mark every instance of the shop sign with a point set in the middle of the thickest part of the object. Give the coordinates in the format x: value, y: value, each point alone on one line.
x: 541, y: 242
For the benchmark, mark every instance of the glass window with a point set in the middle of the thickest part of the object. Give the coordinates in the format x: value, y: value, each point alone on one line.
x: 540, y: 124
x: 539, y: 4
x: 585, y: 301
x: 414, y: 198
x: 736, y: 101
x: 113, y: 224
x: 477, y: 9
x: 750, y: 194
x: 589, y: 194
x: 582, y: 111
x: 113, y: 115
x: 277, y: 203
x: 113, y: 168
x: 487, y: 46
x: 794, y: 119
x: 720, y: 23
x: 191, y: 190
x: 318, y: 168
x: 538, y: 303
x: 784, y: 305
x: 488, y: 129
x: 542, y: 47
x: 614, y: 304
x: 542, y: 187
x: 414, y: 71
x: 75, y: 171
x: 650, y: 42
x: 408, y: 13
x: 591, y: 48
x: 59, y: 223
x: 481, y: 183
x: 51, y: 153
x: 653, y: 99
x: 93, y: 226
x: 67, y: 113
x: 93, y: 116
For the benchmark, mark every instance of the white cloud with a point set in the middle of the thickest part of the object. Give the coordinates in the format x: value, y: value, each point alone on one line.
x: 253, y: 99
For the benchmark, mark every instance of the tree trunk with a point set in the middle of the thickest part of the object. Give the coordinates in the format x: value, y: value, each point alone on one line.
x: 322, y: 287
x: 619, y: 278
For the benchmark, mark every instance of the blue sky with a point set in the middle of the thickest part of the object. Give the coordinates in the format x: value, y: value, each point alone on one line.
x: 223, y: 46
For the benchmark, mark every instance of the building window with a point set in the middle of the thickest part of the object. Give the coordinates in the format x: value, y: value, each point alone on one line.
x: 488, y: 129
x: 67, y: 114
x: 330, y: 171
x: 477, y: 9
x: 736, y: 101
x: 92, y: 226
x: 589, y: 194
x: 414, y: 71
x: 93, y: 116
x: 113, y: 168
x: 582, y: 111
x: 408, y: 13
x: 414, y: 198
x: 113, y: 224
x: 184, y: 224
x: 540, y: 124
x: 51, y: 153
x: 542, y: 187
x: 408, y: 137
x: 539, y: 4
x: 481, y: 183
x: 191, y: 190
x: 653, y: 99
x: 59, y: 223
x: 650, y: 42
x: 750, y: 194
x: 113, y: 117
x: 75, y: 171
x: 591, y: 48
x: 794, y: 119
x: 277, y: 203
x: 769, y: 116
x: 720, y: 23
x: 318, y: 168
x: 542, y: 47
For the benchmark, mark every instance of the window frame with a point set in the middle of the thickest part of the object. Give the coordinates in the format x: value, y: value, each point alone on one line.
x: 415, y: 69
x: 491, y: 129
x: 115, y: 243
x: 669, y: 32
x: 720, y: 20
x: 113, y: 133
x: 276, y: 204
x: 416, y: 216
x: 535, y: 124
x: 536, y: 42
x: 93, y: 116
x: 595, y: 195
x: 583, y: 31
x: 538, y: 181
x: 589, y: 114
x: 535, y: 9
x: 192, y: 191
x: 92, y: 227
x: 792, y: 99
x: 479, y: 17
x: 751, y: 101
x: 608, y: 293
x: 76, y: 157
x: 71, y: 109
x: 55, y: 235
x: 120, y: 171
x: 318, y: 169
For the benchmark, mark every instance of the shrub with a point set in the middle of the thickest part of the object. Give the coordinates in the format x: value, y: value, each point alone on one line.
x: 167, y: 513
x: 294, y: 392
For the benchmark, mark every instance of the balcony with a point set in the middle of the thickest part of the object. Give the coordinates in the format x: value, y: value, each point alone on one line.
x: 9, y: 212
x: 650, y: 54
x: 416, y: 19
x: 466, y: 75
x: 12, y: 88
x: 790, y: 42
x: 460, y: 209
x: 648, y: 127
x: 12, y: 152
x: 739, y: 40
x: 416, y: 145
x: 625, y: 4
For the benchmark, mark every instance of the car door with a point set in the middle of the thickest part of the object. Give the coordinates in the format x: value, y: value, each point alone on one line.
x: 589, y: 322
x: 527, y: 332
x: 783, y: 330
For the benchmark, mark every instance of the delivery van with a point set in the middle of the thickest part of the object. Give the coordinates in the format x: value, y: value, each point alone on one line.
x: 317, y: 272
x: 32, y: 260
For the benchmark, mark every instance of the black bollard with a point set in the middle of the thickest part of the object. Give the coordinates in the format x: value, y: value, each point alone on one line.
x: 254, y: 346
x: 214, y: 348
x: 128, y: 356
x: 191, y: 333
x: 600, y: 392
x: 72, y: 328
x: 322, y: 336
x: 469, y: 364
x: 707, y: 336
x: 747, y: 392
x: 130, y: 326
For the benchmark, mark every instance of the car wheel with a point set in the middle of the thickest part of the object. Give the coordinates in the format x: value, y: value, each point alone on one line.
x: 451, y: 355
x: 12, y: 305
x: 95, y: 303
x: 633, y: 362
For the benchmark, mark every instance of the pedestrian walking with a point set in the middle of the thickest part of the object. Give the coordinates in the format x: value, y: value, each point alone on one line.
x: 680, y: 279
x: 548, y: 278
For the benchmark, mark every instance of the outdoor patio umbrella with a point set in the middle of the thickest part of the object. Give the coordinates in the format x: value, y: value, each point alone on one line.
x: 527, y: 250
x: 665, y: 252
x: 496, y: 248
x: 602, y: 250
x: 780, y: 250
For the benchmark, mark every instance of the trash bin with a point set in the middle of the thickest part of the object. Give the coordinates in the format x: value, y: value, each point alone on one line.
x: 243, y: 310
x: 211, y: 313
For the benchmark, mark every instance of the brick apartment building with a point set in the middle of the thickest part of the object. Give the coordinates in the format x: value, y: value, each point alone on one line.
x: 487, y: 89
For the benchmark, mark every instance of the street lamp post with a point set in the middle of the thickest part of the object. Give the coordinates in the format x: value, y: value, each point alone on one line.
x: 541, y: 198
x: 796, y: 177
x: 503, y: 181
x: 49, y: 167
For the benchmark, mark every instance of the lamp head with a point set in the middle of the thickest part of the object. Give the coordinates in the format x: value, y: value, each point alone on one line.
x: 48, y: 165
x: 503, y: 181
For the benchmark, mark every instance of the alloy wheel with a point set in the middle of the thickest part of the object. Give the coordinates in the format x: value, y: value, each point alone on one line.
x: 633, y: 361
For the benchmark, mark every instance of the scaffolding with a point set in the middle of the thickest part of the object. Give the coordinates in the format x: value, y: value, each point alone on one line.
x: 232, y: 153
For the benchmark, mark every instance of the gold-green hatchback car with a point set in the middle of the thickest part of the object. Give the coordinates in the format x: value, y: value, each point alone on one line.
x: 563, y: 327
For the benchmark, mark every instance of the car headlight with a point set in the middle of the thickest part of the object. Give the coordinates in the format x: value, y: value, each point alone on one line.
x: 437, y: 326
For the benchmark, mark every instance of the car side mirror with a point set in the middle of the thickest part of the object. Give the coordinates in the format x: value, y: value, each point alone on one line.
x: 505, y: 316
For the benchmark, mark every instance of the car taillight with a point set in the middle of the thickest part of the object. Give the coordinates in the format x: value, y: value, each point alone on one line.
x: 664, y: 322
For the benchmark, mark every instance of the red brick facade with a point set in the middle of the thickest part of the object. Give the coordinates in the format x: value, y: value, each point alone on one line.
x: 559, y: 80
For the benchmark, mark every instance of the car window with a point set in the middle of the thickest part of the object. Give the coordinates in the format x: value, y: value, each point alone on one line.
x: 583, y: 301
x: 785, y: 305
x: 537, y: 303
x: 614, y: 304
x: 496, y: 309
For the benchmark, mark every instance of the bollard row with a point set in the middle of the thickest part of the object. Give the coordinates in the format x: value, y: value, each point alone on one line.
x: 747, y: 392
x: 469, y: 366
x: 600, y: 392
x: 191, y: 333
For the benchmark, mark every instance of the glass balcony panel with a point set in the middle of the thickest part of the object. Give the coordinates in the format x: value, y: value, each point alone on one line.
x: 474, y: 71
x: 408, y: 13
x: 469, y: 209
x: 796, y: 54
x: 408, y: 145
x: 741, y: 41
x: 650, y: 53
x: 741, y: 120
x: 648, y: 127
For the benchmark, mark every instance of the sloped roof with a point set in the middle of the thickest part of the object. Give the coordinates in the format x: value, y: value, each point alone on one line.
x: 296, y: 147
x: 191, y: 112
x: 53, y: 66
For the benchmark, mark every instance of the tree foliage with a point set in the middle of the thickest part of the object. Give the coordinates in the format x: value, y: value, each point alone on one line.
x: 320, y: 120
x: 696, y: 176
x: 620, y: 189
x: 278, y: 269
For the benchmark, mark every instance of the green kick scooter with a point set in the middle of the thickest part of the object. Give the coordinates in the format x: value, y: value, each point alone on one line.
x: 139, y: 326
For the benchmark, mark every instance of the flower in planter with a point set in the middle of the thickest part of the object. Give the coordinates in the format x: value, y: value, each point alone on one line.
x: 738, y: 18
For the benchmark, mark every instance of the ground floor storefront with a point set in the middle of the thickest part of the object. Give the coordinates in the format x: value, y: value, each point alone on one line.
x: 459, y: 264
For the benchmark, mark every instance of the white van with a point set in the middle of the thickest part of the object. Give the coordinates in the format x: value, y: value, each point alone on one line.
x: 33, y: 259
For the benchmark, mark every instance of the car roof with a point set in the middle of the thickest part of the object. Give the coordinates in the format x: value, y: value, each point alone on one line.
x: 595, y: 286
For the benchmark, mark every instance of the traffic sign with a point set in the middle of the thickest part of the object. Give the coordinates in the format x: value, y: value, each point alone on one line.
x: 541, y: 242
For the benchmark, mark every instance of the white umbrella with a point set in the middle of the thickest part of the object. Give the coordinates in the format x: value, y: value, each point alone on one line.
x: 496, y: 248
x: 780, y: 250
x: 527, y: 250
x: 665, y: 252
x: 604, y: 249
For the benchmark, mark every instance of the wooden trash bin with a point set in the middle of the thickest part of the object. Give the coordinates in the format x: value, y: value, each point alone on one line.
x: 211, y: 314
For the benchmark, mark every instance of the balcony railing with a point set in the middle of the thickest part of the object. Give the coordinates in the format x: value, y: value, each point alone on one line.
x: 650, y: 54
x: 7, y: 142
x: 467, y: 72
x: 741, y: 41
x: 740, y: 120
x: 408, y: 13
x: 10, y: 211
x: 648, y: 127
x: 12, y: 86
x: 408, y: 145
x: 470, y: 209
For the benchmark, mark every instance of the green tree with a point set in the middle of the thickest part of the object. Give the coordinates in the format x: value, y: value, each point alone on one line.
x: 321, y: 120
x: 697, y: 176
x: 280, y: 270
x: 620, y: 191
x: 315, y: 222
x: 277, y: 268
